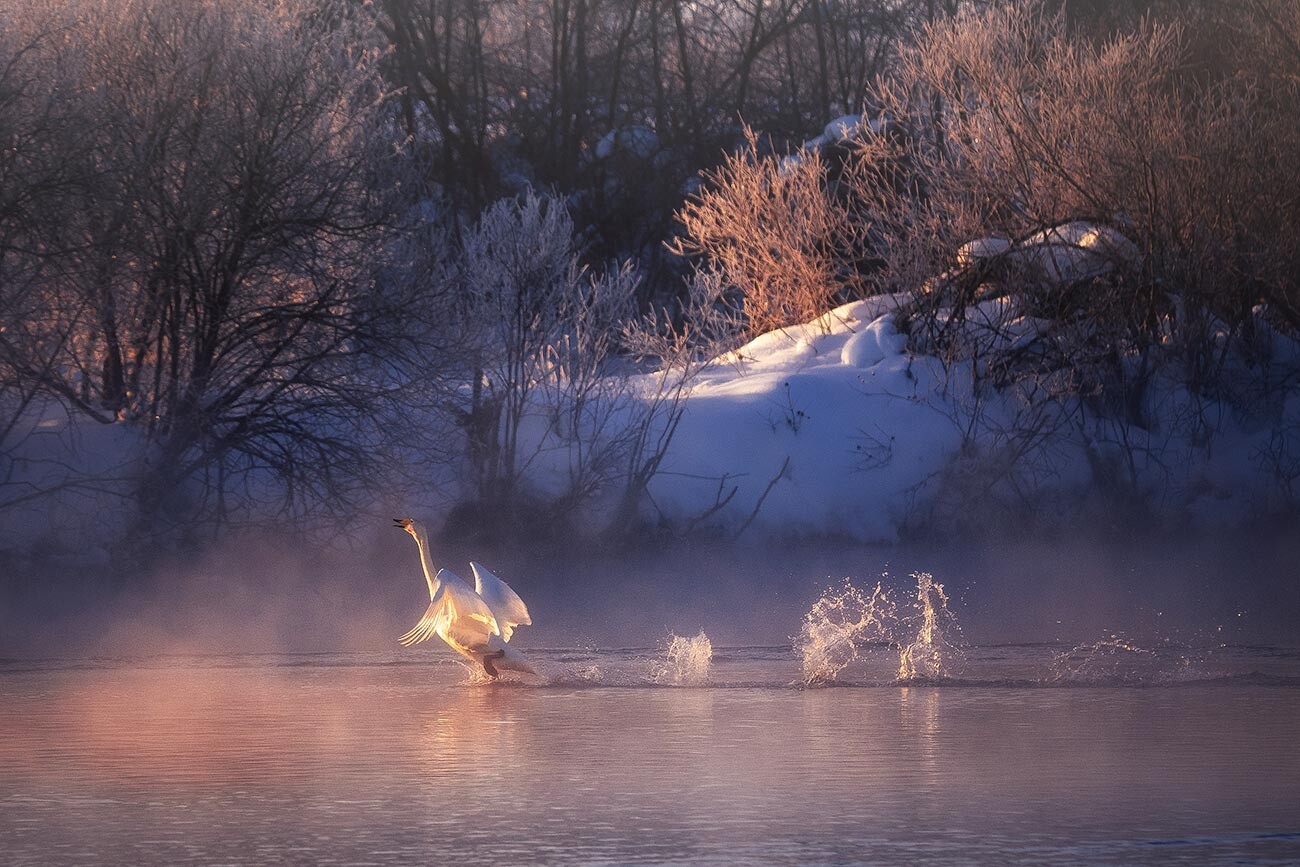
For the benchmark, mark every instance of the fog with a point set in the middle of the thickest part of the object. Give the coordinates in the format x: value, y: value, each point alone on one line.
x: 274, y: 595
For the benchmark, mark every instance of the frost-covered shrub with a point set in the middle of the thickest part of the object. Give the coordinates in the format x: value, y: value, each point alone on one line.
x: 1099, y: 236
x: 540, y: 335
x: 568, y: 395
x: 772, y: 229
x: 1029, y: 146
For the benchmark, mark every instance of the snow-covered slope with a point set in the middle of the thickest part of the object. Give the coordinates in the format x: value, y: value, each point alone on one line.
x: 832, y: 427
x: 828, y: 428
x: 829, y: 424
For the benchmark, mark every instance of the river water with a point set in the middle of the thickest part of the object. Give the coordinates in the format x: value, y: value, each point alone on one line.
x: 1030, y: 753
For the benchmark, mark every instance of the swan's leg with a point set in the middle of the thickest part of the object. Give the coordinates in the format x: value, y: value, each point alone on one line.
x: 487, y: 663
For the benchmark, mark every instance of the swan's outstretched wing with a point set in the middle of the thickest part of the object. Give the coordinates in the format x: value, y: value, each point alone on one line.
x: 508, y: 609
x: 452, y: 604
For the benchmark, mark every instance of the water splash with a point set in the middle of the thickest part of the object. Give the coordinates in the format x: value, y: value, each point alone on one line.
x: 686, y: 661
x: 1112, y: 660
x: 589, y: 674
x: 934, y: 649
x: 846, y: 621
x: 838, y: 625
x: 475, y: 675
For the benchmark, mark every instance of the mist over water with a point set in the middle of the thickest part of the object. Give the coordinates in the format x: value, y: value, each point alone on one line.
x: 1096, y: 613
x: 1096, y: 706
x: 273, y: 594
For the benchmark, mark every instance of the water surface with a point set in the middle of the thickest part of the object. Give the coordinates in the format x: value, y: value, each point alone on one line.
x: 1181, y: 756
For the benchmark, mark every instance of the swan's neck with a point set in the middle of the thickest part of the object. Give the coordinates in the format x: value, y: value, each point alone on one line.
x: 426, y: 561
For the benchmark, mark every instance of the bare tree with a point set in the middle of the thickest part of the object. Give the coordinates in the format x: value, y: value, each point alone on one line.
x: 679, y: 349
x: 215, y: 289
x: 568, y: 397
x: 42, y: 165
x: 547, y: 405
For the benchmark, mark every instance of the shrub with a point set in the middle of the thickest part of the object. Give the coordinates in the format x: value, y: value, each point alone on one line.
x: 1018, y: 128
x: 771, y: 229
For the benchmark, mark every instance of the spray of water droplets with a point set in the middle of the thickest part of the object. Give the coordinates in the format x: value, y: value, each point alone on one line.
x: 1111, y: 660
x: 839, y: 625
x: 934, y: 648
x: 686, y: 661
x: 846, y: 621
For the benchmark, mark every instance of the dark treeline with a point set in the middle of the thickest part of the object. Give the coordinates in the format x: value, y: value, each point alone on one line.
x: 618, y: 103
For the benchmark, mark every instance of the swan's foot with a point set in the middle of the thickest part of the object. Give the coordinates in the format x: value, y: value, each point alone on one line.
x: 489, y: 667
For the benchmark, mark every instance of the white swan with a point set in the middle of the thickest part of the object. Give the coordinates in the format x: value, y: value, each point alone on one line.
x: 476, y: 623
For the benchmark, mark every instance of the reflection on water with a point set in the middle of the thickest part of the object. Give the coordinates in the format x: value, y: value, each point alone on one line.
x: 350, y: 758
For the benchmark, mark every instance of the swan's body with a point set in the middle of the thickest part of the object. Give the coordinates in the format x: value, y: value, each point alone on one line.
x: 475, y: 623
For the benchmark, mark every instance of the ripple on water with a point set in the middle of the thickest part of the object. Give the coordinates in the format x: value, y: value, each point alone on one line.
x: 349, y: 762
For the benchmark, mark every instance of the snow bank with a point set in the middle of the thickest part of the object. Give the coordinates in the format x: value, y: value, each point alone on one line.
x: 842, y: 129
x: 837, y: 132
x: 874, y: 344
x: 822, y: 428
x: 1062, y: 254
x: 832, y: 428
x: 983, y: 248
x: 639, y: 141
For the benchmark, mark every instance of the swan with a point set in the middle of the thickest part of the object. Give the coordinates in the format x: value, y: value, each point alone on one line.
x: 476, y: 623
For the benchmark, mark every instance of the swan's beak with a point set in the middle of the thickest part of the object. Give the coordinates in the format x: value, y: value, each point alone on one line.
x: 403, y: 524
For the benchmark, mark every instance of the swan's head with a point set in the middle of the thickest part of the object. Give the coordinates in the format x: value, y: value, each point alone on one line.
x: 410, y: 525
